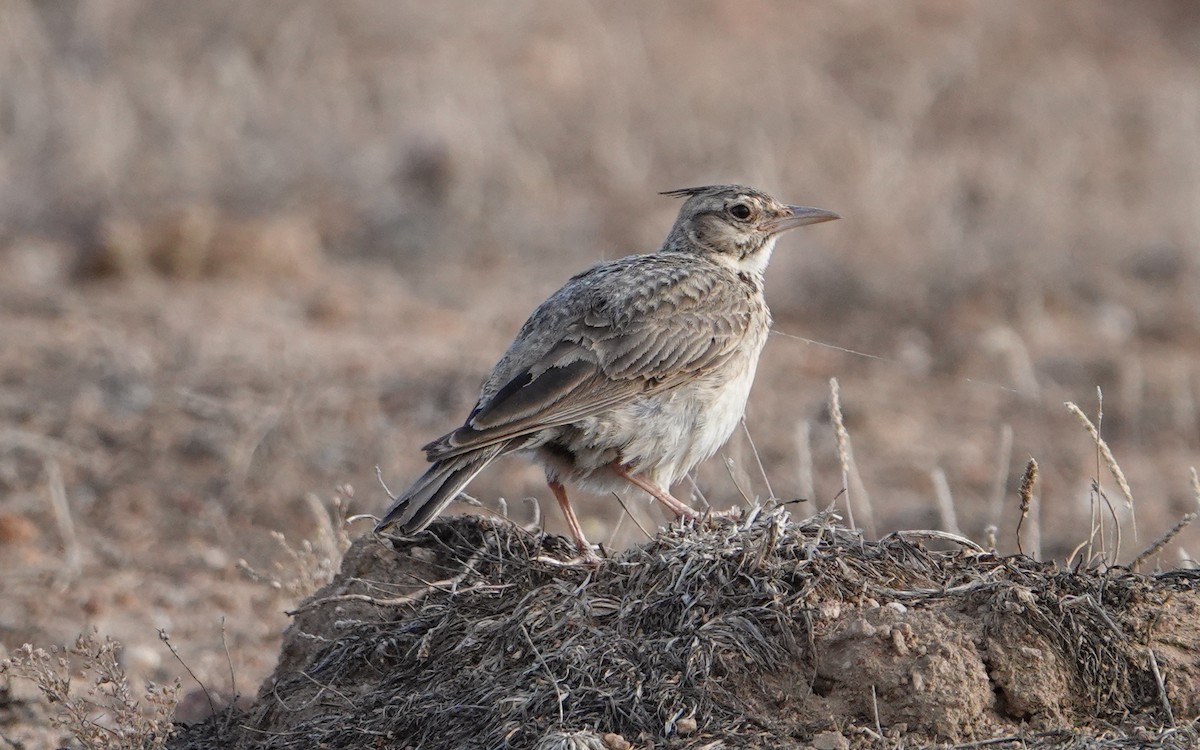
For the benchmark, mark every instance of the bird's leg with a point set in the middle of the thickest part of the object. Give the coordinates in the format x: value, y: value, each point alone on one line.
x: 581, y: 542
x: 676, y: 506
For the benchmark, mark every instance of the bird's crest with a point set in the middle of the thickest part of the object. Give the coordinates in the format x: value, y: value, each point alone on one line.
x: 687, y: 192
x: 694, y: 191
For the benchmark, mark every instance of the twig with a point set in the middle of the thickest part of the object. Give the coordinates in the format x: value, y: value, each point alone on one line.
x: 1186, y: 561
x: 616, y: 529
x: 398, y: 601
x: 1162, y: 689
x: 875, y: 708
x: 1083, y: 561
x: 758, y: 459
x: 1157, y: 545
x: 945, y: 501
x: 72, y: 554
x: 553, y: 680
x: 729, y: 466
x: 1109, y: 460
x: 632, y: 517
x: 846, y: 457
x: 1012, y: 738
x: 228, y: 660
x: 1000, y: 488
x: 1035, y: 528
x: 232, y: 677
x: 1097, y: 609
x: 921, y: 593
x: 383, y: 484
x: 326, y: 533
x: 1112, y: 513
x: 843, y: 445
x: 162, y: 636
x: 536, y: 521
x: 989, y: 536
x: 804, y: 459
x: 944, y: 536
x: 1098, y: 493
x: 696, y: 491
x: 1026, y: 494
x: 323, y: 687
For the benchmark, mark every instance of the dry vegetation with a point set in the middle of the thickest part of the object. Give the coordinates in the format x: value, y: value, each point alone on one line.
x: 91, y: 697
x: 762, y: 633
x: 253, y: 251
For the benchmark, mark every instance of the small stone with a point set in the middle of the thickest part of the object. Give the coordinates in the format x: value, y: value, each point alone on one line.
x: 215, y: 558
x: 17, y: 529
x: 830, y: 741
x: 685, y: 726
x: 141, y: 659
x: 614, y: 741
x: 900, y: 608
x: 424, y: 554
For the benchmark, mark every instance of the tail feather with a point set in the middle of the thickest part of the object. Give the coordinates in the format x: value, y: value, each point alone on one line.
x: 429, y: 495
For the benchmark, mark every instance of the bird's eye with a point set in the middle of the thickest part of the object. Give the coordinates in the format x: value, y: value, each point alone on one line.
x: 740, y: 211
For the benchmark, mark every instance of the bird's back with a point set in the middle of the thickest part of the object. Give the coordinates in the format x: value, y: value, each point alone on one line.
x: 668, y: 297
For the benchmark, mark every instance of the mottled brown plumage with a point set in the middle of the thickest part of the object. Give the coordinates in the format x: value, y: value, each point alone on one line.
x: 633, y: 372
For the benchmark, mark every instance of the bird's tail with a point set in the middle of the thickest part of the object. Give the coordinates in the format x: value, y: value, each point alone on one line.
x: 417, y: 506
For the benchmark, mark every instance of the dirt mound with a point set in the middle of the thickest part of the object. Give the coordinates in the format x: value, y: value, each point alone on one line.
x: 767, y: 633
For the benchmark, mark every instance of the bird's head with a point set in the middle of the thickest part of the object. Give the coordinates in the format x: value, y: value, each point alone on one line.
x: 735, y: 225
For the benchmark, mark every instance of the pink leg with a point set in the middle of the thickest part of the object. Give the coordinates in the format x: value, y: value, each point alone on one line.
x: 581, y: 542
x: 677, y: 507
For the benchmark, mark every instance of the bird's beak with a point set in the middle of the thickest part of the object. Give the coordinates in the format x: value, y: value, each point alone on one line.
x: 801, y: 216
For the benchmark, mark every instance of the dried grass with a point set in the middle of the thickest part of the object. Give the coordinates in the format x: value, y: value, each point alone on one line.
x: 313, y: 562
x: 852, y: 484
x: 519, y: 650
x: 1105, y: 453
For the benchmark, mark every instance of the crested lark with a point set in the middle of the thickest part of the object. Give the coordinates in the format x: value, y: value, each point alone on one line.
x: 632, y: 373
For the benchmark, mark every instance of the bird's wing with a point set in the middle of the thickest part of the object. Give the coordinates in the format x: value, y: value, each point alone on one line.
x: 621, y: 330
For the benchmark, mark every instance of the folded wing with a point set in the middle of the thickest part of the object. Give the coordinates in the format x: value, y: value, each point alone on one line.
x: 610, y: 335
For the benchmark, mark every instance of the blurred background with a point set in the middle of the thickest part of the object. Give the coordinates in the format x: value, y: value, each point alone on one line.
x: 251, y: 251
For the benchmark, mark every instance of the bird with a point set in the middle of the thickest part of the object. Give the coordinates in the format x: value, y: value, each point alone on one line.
x: 633, y: 372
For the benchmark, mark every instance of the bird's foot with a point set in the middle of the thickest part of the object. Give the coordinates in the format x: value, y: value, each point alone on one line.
x: 678, y: 507
x: 589, y: 558
x: 587, y: 554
